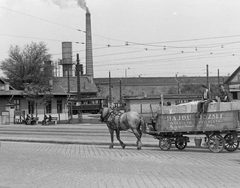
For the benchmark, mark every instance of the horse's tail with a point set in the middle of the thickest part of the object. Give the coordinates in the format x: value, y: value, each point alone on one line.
x: 142, y: 125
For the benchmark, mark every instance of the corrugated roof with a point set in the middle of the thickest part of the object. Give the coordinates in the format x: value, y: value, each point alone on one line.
x: 158, y: 81
x: 60, y: 85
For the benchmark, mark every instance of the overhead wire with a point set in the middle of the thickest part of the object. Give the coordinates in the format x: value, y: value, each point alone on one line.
x: 125, y: 41
x: 132, y: 44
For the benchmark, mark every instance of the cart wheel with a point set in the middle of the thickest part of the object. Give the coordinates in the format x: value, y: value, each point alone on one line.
x: 165, y: 143
x: 216, y: 143
x: 180, y: 143
x: 231, y: 144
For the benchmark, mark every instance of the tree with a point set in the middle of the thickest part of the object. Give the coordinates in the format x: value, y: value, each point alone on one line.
x: 30, y: 70
x: 27, y: 65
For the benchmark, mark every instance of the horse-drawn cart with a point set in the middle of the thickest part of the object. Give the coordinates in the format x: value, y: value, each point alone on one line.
x: 220, y: 128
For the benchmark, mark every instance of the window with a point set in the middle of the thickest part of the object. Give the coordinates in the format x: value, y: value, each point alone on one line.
x: 49, y: 107
x: 234, y: 95
x: 59, y: 106
x: 17, y: 104
x: 30, y: 107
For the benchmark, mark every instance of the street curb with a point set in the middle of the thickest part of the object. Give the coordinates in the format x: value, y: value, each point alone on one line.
x: 84, y: 143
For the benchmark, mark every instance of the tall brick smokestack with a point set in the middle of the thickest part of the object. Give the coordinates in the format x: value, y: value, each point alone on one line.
x: 89, y: 55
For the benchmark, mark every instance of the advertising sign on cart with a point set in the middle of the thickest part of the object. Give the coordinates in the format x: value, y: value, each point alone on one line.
x: 211, y: 121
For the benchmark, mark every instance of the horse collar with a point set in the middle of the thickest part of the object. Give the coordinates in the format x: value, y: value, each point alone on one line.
x: 109, y: 114
x: 114, y: 114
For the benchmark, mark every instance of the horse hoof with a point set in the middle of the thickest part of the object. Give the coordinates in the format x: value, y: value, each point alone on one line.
x: 123, y: 146
x: 139, y: 148
x: 111, y: 147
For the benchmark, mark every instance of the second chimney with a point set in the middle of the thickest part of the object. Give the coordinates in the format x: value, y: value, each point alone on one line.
x: 89, y: 55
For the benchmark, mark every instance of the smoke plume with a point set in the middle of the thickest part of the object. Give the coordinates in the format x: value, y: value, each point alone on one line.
x: 83, y: 5
x: 71, y: 3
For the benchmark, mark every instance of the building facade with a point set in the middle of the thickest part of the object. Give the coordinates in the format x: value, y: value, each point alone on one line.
x: 233, y: 84
x: 57, y: 106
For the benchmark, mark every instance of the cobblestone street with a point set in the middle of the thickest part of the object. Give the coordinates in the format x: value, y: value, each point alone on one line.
x: 39, y: 165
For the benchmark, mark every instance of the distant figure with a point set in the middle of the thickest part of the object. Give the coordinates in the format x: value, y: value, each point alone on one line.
x: 28, y: 117
x: 45, y: 120
x: 28, y: 120
x: 50, y: 118
x: 168, y: 103
x: 224, y: 95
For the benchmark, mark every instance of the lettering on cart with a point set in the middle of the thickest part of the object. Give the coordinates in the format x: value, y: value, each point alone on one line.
x: 188, y: 121
x: 216, y: 116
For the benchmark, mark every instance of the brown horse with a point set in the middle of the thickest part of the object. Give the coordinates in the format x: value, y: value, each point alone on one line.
x: 117, y: 121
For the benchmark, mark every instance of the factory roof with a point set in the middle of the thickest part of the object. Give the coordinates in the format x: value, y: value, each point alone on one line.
x: 158, y: 81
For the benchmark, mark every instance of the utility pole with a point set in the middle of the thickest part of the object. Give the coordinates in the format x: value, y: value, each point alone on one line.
x: 207, y: 79
x: 218, y: 78
x: 68, y: 78
x: 69, y: 97
x: 120, y: 92
x: 110, y: 90
x: 178, y: 84
x: 78, y: 91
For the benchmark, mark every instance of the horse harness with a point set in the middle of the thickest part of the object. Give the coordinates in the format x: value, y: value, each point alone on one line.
x: 114, y: 115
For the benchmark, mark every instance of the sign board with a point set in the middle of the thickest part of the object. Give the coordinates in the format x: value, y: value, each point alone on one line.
x: 19, y: 112
x: 5, y: 113
x: 213, y: 121
x: 235, y: 86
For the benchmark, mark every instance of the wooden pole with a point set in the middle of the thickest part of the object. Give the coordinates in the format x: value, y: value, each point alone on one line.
x: 207, y: 78
x: 120, y: 92
x: 78, y: 91
x: 110, y: 90
x: 68, y: 78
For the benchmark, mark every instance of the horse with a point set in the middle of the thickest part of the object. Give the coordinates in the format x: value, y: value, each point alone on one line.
x: 118, y: 121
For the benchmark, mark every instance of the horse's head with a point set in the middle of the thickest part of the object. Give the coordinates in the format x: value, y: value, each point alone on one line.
x: 104, y: 114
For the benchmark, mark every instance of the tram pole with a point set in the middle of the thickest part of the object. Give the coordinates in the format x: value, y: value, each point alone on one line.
x: 208, y: 78
x: 120, y: 92
x: 78, y: 91
x: 110, y: 90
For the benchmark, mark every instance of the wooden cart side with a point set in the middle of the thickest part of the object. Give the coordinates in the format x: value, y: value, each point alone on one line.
x: 189, y: 122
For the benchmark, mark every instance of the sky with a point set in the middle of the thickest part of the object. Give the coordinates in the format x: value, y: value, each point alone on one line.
x: 131, y: 38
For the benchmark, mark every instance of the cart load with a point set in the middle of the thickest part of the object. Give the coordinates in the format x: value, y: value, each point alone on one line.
x: 220, y: 125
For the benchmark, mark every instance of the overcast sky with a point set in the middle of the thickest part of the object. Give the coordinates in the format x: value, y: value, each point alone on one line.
x: 148, y: 38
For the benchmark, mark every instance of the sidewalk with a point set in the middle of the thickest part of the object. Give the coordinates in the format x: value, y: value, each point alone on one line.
x: 88, y: 134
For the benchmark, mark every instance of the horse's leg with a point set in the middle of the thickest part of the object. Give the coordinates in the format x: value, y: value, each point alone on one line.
x: 138, y: 135
x: 111, y: 133
x: 118, y: 137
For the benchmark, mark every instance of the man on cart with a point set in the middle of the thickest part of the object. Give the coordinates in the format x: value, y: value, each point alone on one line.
x: 224, y: 95
x: 202, y: 106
